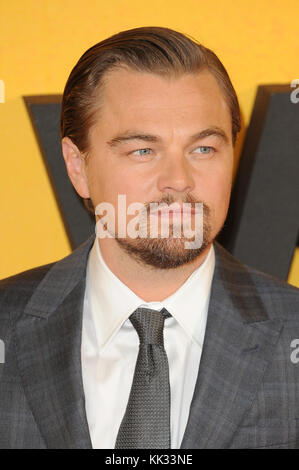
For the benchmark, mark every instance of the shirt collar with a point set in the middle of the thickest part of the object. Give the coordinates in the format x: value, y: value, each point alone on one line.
x: 112, y: 302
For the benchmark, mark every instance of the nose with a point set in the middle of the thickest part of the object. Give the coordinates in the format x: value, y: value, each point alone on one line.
x: 175, y: 174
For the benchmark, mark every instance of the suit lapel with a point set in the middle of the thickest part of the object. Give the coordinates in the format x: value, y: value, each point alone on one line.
x: 49, y: 353
x: 238, y: 344
x: 239, y: 341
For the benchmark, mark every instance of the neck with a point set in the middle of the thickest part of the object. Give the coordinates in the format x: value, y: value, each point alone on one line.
x: 147, y: 282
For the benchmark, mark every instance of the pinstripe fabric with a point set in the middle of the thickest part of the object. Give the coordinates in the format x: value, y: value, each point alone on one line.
x: 247, y: 389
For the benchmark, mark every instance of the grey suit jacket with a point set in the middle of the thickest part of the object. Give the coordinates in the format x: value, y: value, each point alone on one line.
x: 247, y: 389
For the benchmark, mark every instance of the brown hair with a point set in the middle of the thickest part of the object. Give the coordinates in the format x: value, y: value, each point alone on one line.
x: 148, y: 49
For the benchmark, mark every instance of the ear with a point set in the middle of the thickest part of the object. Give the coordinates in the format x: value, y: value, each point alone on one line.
x: 75, y: 165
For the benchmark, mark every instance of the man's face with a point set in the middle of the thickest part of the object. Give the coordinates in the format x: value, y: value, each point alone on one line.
x: 146, y: 145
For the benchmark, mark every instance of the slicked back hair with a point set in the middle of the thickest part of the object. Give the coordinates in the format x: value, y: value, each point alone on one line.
x: 155, y: 50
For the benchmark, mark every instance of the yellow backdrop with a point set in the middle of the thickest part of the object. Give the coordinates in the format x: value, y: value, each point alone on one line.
x: 41, y: 40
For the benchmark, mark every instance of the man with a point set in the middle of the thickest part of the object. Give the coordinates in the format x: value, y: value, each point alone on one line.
x: 140, y: 341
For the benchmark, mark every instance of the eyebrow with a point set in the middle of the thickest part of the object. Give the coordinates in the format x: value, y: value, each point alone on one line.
x: 135, y: 135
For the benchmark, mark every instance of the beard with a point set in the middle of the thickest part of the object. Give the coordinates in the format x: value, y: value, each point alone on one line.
x: 170, y: 252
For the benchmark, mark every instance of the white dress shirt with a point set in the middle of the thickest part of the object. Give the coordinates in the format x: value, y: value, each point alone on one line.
x: 110, y: 346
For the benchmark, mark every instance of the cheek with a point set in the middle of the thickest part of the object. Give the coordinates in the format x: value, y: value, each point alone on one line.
x: 106, y: 184
x: 217, y: 194
x: 216, y: 184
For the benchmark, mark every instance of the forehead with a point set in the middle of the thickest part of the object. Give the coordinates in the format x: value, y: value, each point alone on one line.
x: 130, y: 97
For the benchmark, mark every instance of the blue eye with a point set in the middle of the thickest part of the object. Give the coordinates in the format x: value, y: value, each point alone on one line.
x: 205, y: 149
x: 142, y: 151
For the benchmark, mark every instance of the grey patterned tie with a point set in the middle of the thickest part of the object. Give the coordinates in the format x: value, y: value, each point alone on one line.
x: 146, y: 422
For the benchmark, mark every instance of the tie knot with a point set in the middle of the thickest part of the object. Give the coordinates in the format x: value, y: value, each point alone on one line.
x: 149, y: 324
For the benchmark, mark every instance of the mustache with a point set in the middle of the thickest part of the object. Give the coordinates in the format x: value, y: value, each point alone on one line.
x: 170, y: 199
